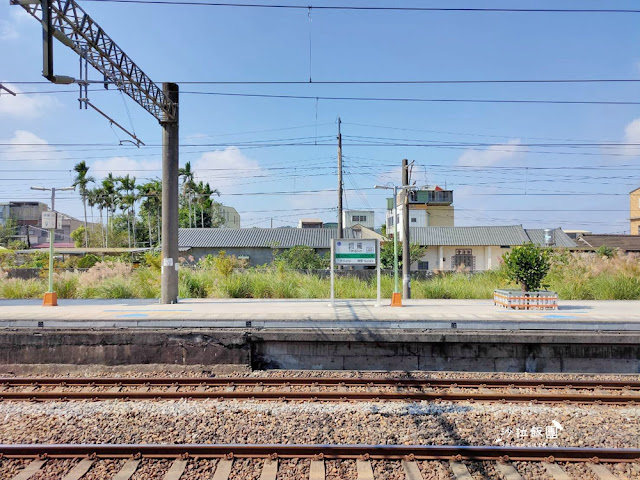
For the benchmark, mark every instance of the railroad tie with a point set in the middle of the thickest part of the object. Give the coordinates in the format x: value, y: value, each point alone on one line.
x: 29, y: 470
x: 365, y: 472
x: 79, y: 470
x: 508, y: 471
x: 223, y: 470
x: 556, y: 471
x: 411, y: 470
x: 601, y: 472
x: 460, y: 471
x: 176, y: 470
x: 127, y: 470
x: 317, y: 470
x: 173, y: 388
x: 230, y: 388
x: 269, y: 470
x: 115, y: 389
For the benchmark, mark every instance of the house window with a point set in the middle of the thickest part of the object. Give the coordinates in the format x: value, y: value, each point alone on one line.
x: 463, y: 257
x: 414, y: 220
x: 358, y: 218
x: 423, y: 265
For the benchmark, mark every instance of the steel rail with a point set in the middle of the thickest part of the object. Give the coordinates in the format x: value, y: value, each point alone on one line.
x: 325, y: 396
x: 314, y: 381
x: 388, y: 452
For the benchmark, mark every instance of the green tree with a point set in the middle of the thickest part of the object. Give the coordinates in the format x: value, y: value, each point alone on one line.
x: 7, y: 231
x: 151, y: 205
x: 606, y: 251
x: 302, y: 257
x: 188, y: 184
x: 416, y: 252
x: 82, y: 181
x: 527, y: 265
x: 127, y: 201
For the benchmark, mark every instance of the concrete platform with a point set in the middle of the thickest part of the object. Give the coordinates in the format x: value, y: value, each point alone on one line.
x: 465, y: 335
x: 617, y: 316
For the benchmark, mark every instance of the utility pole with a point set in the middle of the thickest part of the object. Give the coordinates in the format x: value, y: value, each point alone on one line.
x: 170, y: 156
x: 67, y: 22
x: 406, y: 256
x: 340, y: 226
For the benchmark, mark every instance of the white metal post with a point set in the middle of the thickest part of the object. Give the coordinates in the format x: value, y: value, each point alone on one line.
x: 378, y: 269
x: 332, y: 272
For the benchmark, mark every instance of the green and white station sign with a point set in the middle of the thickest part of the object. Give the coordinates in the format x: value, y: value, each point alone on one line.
x: 355, y: 252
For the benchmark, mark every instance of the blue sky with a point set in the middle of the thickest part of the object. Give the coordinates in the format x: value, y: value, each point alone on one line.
x: 180, y: 43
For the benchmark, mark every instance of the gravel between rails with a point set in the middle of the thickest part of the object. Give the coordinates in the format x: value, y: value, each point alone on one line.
x: 293, y: 469
x: 199, y: 371
x: 435, y: 470
x: 103, y: 469
x: 340, y: 470
x: 151, y: 468
x: 209, y: 421
x: 246, y: 469
x: 199, y: 469
x: 54, y: 469
x: 389, y: 470
x: 10, y: 467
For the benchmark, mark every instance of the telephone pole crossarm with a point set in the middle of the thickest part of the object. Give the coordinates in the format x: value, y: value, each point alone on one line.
x: 72, y: 26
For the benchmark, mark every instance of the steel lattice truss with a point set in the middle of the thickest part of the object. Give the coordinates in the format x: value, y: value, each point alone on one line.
x: 88, y: 40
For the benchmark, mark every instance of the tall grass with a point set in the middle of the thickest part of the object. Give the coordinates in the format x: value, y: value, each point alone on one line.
x: 575, y: 277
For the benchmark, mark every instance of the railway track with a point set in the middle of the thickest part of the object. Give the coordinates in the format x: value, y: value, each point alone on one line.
x: 333, y: 389
x: 404, y: 457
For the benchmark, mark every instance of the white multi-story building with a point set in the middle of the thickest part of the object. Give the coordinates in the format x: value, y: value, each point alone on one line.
x: 230, y: 217
x: 351, y: 218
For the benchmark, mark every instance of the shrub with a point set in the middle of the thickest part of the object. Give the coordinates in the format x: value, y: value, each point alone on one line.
x: 65, y: 284
x: 87, y: 261
x: 303, y: 258
x: 606, y: 251
x: 16, y: 288
x: 527, y: 265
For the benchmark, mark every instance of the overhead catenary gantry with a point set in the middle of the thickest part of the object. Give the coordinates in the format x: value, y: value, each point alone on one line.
x: 66, y: 21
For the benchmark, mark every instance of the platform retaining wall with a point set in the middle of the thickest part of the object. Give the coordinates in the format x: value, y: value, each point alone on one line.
x: 488, y: 351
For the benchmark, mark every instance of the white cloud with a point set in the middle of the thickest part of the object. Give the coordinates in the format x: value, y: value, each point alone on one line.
x: 10, y: 29
x: 492, y: 154
x: 632, y: 132
x: 226, y: 169
x: 26, y: 106
x: 29, y: 151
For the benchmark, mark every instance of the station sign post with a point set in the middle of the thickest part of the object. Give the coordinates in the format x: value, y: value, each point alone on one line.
x: 355, y: 252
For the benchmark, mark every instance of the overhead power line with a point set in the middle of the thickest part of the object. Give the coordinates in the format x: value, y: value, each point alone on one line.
x: 385, y: 99
x: 370, y: 7
x: 368, y: 82
x: 414, y: 99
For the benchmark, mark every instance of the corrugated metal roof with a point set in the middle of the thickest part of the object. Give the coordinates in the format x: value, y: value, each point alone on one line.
x: 469, y: 236
x: 629, y: 243
x: 255, y: 237
x: 561, y: 239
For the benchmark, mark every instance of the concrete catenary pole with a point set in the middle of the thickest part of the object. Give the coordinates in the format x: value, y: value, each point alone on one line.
x: 170, y: 160
x: 406, y: 258
x: 340, y: 226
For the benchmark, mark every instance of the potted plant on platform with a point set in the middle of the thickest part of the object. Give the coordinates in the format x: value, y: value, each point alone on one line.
x: 526, y: 265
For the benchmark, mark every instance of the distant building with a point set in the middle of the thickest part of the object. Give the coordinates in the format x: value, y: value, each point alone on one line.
x: 258, y: 246
x: 358, y: 217
x: 634, y: 210
x: 574, y: 234
x: 28, y: 217
x: 624, y: 243
x: 310, y: 223
x: 230, y: 217
x: 475, y: 248
x: 427, y: 208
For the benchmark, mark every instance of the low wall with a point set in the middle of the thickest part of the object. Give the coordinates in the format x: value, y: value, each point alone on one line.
x: 489, y: 351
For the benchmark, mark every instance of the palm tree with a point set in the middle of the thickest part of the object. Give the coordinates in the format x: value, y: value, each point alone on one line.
x: 204, y: 199
x: 108, y: 196
x: 96, y: 198
x: 127, y: 202
x: 150, y: 193
x: 188, y: 184
x: 82, y: 181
